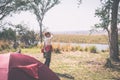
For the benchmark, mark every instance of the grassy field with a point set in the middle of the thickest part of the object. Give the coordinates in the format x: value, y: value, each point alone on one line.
x: 77, y: 38
x: 78, y: 65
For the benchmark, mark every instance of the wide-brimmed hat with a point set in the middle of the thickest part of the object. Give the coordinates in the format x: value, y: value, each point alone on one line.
x: 47, y: 33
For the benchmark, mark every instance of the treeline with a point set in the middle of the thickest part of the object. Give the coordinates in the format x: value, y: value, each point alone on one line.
x: 17, y: 36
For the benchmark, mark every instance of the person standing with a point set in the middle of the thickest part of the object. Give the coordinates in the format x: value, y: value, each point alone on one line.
x: 47, y: 49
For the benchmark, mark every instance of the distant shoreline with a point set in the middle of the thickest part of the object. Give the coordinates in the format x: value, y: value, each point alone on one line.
x: 82, y: 32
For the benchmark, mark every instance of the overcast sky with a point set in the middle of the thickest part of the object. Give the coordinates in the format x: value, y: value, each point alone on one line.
x: 66, y: 16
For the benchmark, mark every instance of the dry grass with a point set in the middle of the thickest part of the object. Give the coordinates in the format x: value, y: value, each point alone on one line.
x: 80, y: 66
x: 73, y: 38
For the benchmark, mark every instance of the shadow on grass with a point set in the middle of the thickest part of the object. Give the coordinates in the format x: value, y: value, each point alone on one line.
x: 115, y: 66
x: 65, y: 76
x: 115, y: 78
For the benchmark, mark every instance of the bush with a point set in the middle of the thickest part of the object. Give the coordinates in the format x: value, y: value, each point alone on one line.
x: 57, y: 50
x: 78, y: 48
x: 22, y: 45
x: 86, y: 49
x: 93, y: 49
x: 73, y: 48
x: 4, y: 45
x: 0, y: 49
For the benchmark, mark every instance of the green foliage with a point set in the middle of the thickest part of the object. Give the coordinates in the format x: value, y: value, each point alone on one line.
x: 93, y: 49
x: 39, y: 8
x: 86, y: 49
x: 19, y: 36
x: 108, y: 15
x: 8, y: 34
x: 68, y: 48
x: 8, y: 7
x: 104, y: 13
x: 25, y: 36
x: 79, y: 48
x: 4, y: 45
x: 56, y: 50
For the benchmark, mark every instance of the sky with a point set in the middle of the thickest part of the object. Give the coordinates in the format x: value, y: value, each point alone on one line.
x: 66, y: 16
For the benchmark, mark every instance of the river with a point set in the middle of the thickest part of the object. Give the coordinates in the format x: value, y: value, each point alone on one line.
x: 98, y: 46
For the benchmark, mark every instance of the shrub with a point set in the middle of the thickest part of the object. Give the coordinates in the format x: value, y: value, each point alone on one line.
x: 57, y: 50
x: 4, y: 45
x: 93, y: 49
x: 22, y: 45
x: 0, y: 49
x: 73, y: 48
x: 79, y: 48
x: 86, y: 49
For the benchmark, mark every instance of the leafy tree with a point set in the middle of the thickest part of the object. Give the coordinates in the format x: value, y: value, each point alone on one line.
x: 8, y: 34
x: 9, y: 6
x: 40, y: 8
x: 4, y: 9
x: 32, y: 37
x: 108, y: 15
x: 24, y: 35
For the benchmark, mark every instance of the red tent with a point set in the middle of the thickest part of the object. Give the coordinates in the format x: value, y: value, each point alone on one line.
x: 23, y: 67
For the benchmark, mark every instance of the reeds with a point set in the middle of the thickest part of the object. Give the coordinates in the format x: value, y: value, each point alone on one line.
x: 74, y: 38
x: 68, y: 47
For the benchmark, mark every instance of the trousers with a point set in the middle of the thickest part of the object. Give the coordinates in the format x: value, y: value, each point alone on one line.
x: 47, y: 56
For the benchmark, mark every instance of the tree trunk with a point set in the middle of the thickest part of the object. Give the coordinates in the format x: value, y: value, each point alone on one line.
x: 114, y: 49
x: 41, y: 32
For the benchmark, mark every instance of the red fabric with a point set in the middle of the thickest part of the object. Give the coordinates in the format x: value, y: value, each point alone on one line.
x: 42, y: 50
x: 48, y: 48
x: 31, y: 69
x: 46, y: 74
x: 23, y: 67
x: 4, y: 63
